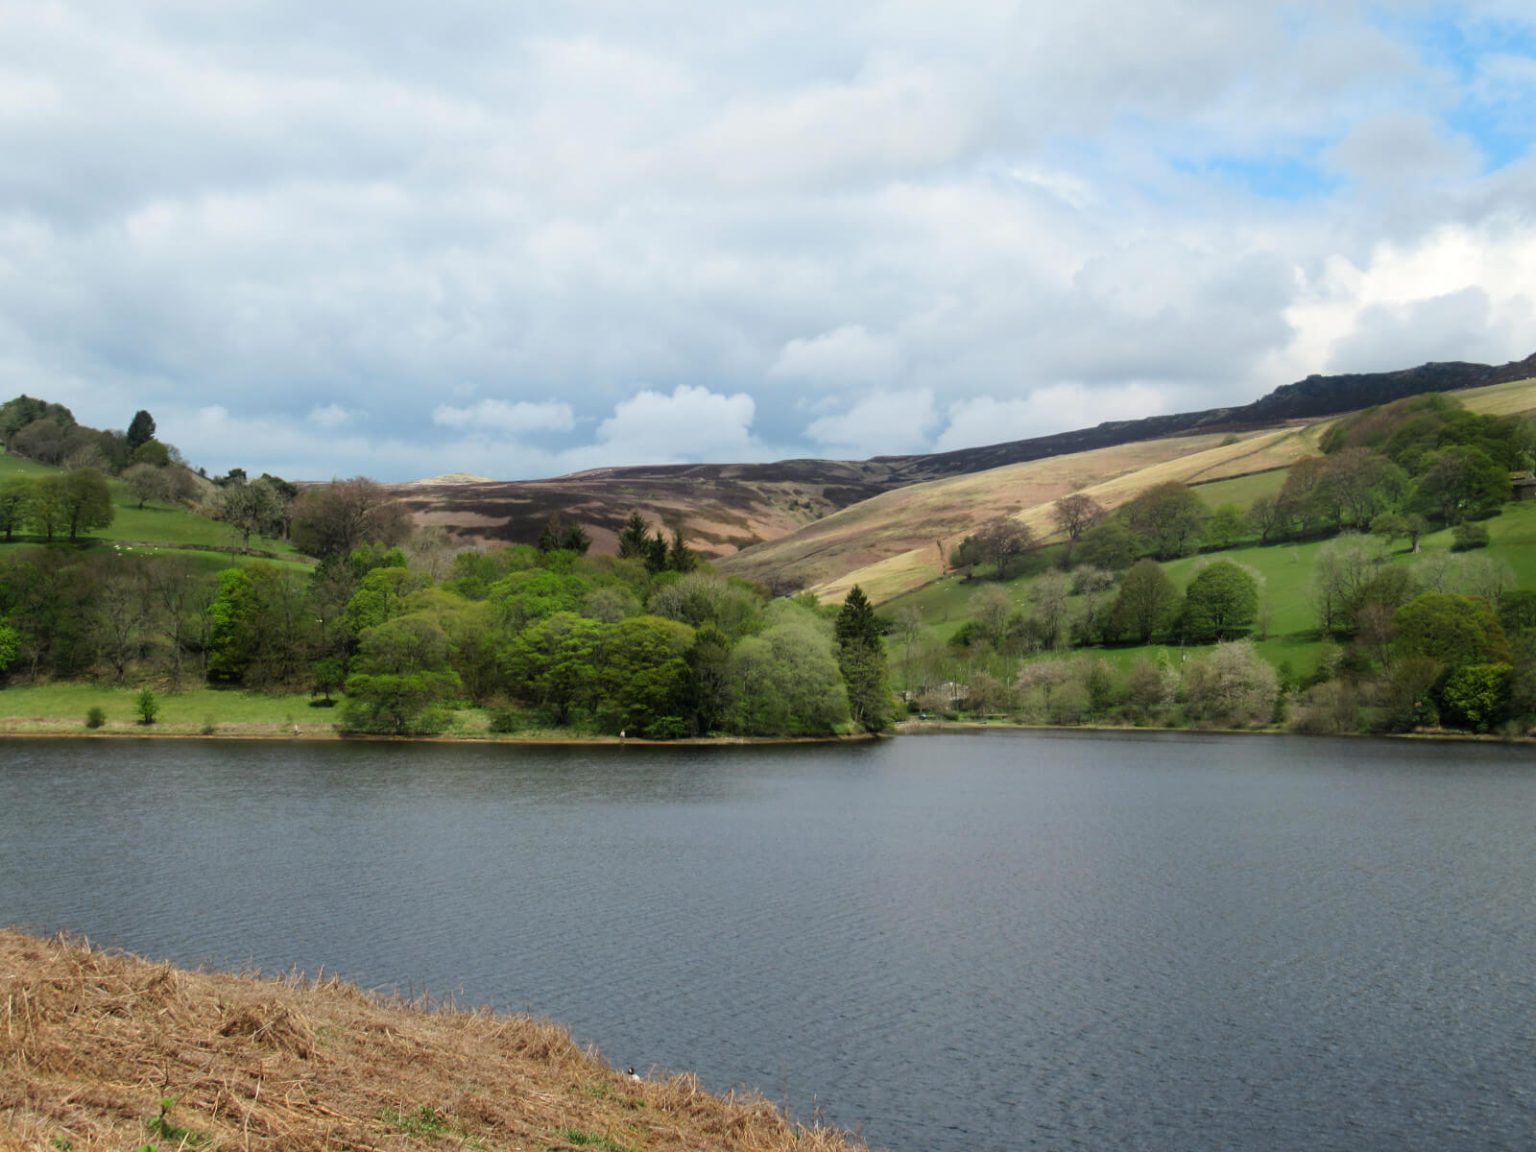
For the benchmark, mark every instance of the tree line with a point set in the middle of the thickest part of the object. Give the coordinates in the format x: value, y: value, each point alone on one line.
x: 548, y: 637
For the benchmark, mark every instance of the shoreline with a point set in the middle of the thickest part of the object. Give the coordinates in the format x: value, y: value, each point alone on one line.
x: 940, y: 727
x: 61, y: 732
x: 108, y: 1050
x: 49, y: 731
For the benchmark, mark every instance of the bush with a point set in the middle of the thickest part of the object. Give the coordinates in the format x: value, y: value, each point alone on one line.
x: 95, y: 717
x: 147, y: 705
x: 1469, y: 536
x: 505, y: 721
x: 1233, y: 687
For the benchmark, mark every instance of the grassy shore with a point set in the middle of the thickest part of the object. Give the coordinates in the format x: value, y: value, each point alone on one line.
x: 112, y: 1052
x: 61, y: 709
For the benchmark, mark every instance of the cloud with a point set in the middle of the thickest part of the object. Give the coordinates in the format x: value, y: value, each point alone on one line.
x: 689, y: 424
x: 330, y: 416
x: 1059, y: 408
x: 845, y: 355
x: 683, y: 230
x: 491, y: 416
x: 880, y: 423
x: 1398, y: 150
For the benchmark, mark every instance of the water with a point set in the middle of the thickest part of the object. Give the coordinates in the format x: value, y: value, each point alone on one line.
x: 996, y: 941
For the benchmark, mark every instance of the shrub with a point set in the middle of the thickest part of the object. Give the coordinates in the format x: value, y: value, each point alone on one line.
x: 95, y: 717
x: 1476, y: 696
x: 147, y: 705
x: 1232, y: 687
x: 1469, y: 536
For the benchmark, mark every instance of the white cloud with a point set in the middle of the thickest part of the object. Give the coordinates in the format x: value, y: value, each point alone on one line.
x: 689, y: 424
x: 491, y: 416
x: 879, y: 424
x: 330, y: 416
x: 845, y: 355
x: 1059, y: 408
x: 763, y: 212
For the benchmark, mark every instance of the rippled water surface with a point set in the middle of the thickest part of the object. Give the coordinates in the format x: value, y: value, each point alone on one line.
x: 995, y: 941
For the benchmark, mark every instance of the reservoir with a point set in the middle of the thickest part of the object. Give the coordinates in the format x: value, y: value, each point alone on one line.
x: 996, y: 941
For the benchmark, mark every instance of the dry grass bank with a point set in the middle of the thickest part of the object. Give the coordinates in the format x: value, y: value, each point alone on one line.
x: 91, y: 1043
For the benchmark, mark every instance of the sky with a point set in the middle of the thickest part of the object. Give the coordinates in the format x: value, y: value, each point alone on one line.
x: 372, y: 237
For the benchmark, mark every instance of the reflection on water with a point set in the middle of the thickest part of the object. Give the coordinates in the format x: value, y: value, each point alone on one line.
x: 964, y: 942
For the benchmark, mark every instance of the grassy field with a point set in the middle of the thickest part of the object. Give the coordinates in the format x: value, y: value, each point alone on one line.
x: 1287, y: 572
x: 1241, y: 490
x: 62, y: 707
x: 157, y: 526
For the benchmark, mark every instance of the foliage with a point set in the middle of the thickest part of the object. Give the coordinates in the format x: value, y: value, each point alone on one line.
x: 1477, y: 696
x: 1231, y: 687
x: 398, y: 704
x: 1167, y: 519
x: 147, y: 706
x: 141, y: 429
x: 332, y: 520
x: 1451, y: 629
x: 861, y: 658
x: 1147, y: 603
x: 1221, y: 601
x: 1468, y: 536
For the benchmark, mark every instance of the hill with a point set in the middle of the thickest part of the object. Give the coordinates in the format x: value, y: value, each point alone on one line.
x: 158, y: 526
x: 726, y: 508
x: 112, y: 1052
x: 898, y: 541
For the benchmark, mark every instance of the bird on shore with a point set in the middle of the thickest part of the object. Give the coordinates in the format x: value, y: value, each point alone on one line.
x: 632, y: 1074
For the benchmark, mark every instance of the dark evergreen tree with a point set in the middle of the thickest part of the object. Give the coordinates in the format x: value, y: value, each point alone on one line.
x: 635, y: 538
x: 141, y: 430
x: 861, y: 659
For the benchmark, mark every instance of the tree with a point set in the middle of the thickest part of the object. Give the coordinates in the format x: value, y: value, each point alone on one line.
x: 1109, y: 545
x: 1461, y: 483
x: 1477, y: 696
x: 558, y: 536
x: 250, y: 509
x: 1453, y: 630
x: 861, y: 658
x: 1074, y: 515
x: 332, y: 520
x: 1001, y: 541
x: 1268, y: 517
x: 1147, y: 602
x: 643, y: 676
x: 1048, y: 594
x: 1344, y: 570
x: 1232, y: 687
x: 635, y: 538
x: 86, y: 502
x: 398, y: 704
x: 15, y: 504
x: 1392, y: 526
x: 1226, y: 525
x: 1221, y: 601
x: 1167, y: 519
x: 143, y: 482
x: 141, y: 429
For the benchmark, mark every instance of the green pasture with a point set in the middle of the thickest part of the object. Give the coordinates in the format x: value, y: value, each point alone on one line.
x: 156, y: 525
x: 1241, y: 490
x: 62, y: 706
x: 1288, y: 629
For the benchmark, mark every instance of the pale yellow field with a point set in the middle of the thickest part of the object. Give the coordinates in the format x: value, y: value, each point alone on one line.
x: 1512, y: 399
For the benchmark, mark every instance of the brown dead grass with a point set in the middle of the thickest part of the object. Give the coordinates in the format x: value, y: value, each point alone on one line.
x: 90, y: 1042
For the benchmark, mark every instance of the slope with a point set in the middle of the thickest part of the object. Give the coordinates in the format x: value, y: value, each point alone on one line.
x: 899, y: 541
